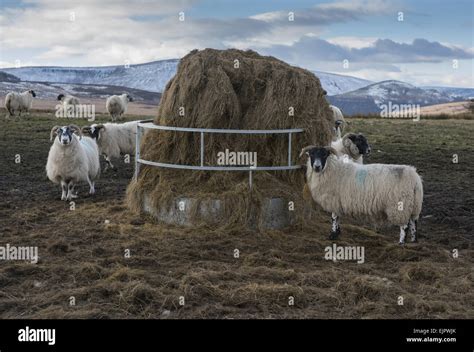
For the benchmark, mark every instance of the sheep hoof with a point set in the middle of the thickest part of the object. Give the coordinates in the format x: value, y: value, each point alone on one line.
x: 401, y: 243
x: 334, y: 234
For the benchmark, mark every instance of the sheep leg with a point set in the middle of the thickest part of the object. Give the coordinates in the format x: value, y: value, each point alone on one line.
x: 412, y: 224
x: 70, y: 190
x: 109, y: 163
x: 91, y: 186
x: 335, y: 228
x: 403, y: 234
x: 63, y: 188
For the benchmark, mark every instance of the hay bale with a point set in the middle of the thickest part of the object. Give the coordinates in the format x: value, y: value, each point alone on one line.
x: 214, y: 93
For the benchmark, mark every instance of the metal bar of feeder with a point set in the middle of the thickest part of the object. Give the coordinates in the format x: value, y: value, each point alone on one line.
x: 137, y: 152
x: 289, y: 149
x: 217, y: 130
x: 220, y: 168
x: 202, y: 148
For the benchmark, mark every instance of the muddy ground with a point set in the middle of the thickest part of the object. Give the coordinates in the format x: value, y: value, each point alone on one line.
x: 82, y: 251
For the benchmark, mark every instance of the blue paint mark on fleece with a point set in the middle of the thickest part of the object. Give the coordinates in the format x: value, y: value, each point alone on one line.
x: 360, y: 177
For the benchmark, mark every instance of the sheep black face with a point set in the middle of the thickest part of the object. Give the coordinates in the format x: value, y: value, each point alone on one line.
x: 129, y: 98
x: 60, y: 97
x: 65, y: 133
x: 93, y: 131
x: 361, y: 143
x: 317, y: 157
x: 32, y: 92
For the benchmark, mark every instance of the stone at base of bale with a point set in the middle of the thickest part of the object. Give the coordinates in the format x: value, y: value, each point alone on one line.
x: 274, y: 213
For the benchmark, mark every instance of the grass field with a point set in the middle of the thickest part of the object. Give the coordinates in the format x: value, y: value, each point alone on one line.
x: 82, y: 250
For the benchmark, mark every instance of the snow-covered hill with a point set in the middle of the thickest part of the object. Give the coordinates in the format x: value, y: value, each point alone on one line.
x: 339, y: 84
x: 455, y: 93
x: 151, y: 76
x: 370, y: 99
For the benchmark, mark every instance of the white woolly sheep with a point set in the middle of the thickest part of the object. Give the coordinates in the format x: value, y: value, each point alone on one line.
x: 20, y: 102
x: 68, y: 100
x: 353, y: 146
x: 117, y: 105
x: 114, y: 139
x: 392, y: 194
x: 72, y: 159
x: 338, y: 120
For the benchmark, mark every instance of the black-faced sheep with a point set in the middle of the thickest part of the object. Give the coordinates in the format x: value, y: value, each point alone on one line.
x: 391, y: 194
x: 338, y: 121
x: 113, y: 139
x: 72, y: 159
x: 19, y: 102
x: 353, y: 146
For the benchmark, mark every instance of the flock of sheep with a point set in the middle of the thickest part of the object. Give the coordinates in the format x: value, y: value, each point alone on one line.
x: 116, y: 105
x: 336, y: 176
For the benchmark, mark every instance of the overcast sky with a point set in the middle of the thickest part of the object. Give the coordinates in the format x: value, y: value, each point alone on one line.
x: 433, y: 45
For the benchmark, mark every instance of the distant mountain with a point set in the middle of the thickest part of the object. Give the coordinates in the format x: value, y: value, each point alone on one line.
x: 372, y: 98
x: 338, y: 84
x: 50, y: 91
x: 151, y: 76
x: 6, y: 77
x: 455, y: 93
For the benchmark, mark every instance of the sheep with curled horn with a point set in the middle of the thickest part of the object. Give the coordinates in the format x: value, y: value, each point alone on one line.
x: 72, y: 158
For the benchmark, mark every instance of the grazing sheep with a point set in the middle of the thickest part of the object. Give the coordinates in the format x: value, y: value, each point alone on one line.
x: 339, y: 122
x: 117, y: 105
x: 68, y: 99
x: 114, y: 139
x: 72, y: 159
x: 389, y: 193
x: 355, y: 146
x: 19, y: 102
x: 69, y: 104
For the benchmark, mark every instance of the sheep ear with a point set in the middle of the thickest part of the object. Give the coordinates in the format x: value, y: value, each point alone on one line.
x: 54, y: 131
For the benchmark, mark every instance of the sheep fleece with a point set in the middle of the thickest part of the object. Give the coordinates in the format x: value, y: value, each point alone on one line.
x: 373, y: 190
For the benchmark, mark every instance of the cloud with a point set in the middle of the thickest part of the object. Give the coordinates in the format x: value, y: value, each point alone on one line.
x: 148, y: 30
x: 324, y: 14
x: 309, y: 50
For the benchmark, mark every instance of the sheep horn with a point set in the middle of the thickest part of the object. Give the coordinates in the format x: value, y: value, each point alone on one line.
x: 53, y: 131
x: 305, y: 149
x: 76, y: 129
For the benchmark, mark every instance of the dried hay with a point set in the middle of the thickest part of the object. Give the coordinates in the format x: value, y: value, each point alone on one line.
x: 259, y: 94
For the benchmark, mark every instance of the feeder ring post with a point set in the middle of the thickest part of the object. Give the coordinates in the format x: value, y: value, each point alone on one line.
x: 137, y: 151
